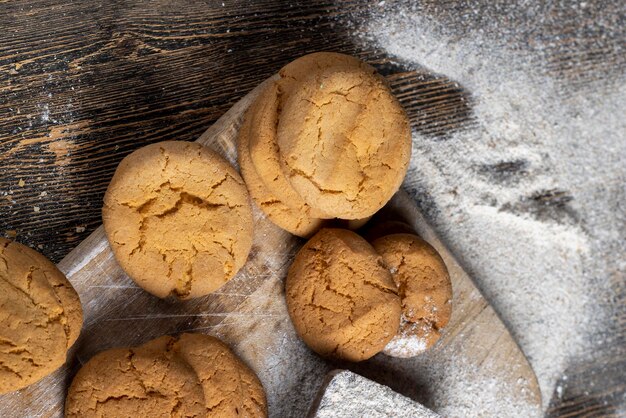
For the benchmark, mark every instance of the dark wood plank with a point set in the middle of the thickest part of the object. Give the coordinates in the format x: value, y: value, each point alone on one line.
x: 82, y: 84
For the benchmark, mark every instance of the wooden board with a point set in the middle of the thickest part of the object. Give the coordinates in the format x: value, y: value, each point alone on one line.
x: 249, y: 313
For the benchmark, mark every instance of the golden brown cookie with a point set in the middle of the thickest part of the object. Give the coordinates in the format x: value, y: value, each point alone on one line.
x: 147, y: 381
x: 230, y: 388
x: 178, y: 219
x: 341, y: 299
x: 193, y: 375
x: 424, y: 286
x: 40, y: 316
x: 344, y: 140
x: 264, y: 151
x: 290, y: 217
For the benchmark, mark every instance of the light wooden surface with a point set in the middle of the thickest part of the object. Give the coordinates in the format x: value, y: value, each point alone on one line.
x: 250, y: 314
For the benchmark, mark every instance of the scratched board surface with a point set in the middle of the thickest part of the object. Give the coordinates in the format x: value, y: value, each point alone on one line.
x: 475, y: 360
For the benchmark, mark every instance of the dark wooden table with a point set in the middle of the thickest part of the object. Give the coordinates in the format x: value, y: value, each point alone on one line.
x: 83, y: 83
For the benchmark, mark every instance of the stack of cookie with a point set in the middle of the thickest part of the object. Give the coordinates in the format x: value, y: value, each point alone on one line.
x: 325, y: 140
x: 350, y: 299
x: 194, y: 375
x: 40, y: 316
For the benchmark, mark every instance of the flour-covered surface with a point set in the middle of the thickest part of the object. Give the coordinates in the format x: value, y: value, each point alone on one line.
x: 348, y: 395
x: 530, y: 191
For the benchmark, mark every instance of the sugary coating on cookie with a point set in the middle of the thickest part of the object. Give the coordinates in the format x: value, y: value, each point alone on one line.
x: 147, y: 381
x: 290, y: 213
x: 230, y: 388
x: 344, y: 140
x: 40, y: 316
x: 341, y: 299
x: 425, y: 288
x: 178, y: 219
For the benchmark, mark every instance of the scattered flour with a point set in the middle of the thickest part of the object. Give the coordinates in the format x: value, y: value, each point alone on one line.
x: 528, y: 193
x: 407, y: 343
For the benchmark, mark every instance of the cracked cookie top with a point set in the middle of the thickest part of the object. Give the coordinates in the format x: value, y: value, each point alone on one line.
x: 291, y: 214
x: 193, y: 375
x: 230, y: 387
x: 40, y: 316
x: 341, y: 299
x: 424, y: 287
x: 147, y: 381
x: 178, y: 219
x: 343, y: 139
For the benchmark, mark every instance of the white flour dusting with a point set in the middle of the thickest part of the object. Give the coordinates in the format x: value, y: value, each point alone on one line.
x: 410, y: 341
x: 528, y: 194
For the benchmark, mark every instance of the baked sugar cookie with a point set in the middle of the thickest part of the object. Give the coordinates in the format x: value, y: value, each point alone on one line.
x: 344, y: 140
x: 40, y: 316
x: 178, y: 219
x: 147, y: 381
x: 295, y: 216
x: 341, y: 299
x: 264, y: 150
x: 193, y: 375
x: 230, y: 387
x: 424, y: 287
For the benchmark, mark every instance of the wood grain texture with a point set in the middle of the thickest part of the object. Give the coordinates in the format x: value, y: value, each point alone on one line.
x: 82, y: 84
x: 250, y: 314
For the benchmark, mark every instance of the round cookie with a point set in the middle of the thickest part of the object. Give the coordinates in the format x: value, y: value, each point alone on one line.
x: 424, y: 287
x: 344, y: 139
x: 294, y: 219
x: 264, y: 150
x: 150, y: 380
x: 40, y: 316
x: 341, y: 299
x: 178, y: 219
x: 193, y: 375
x: 65, y: 292
x: 230, y: 387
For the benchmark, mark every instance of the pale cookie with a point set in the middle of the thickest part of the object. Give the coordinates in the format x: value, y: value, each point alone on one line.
x: 231, y: 389
x: 147, y: 381
x: 296, y: 220
x: 341, y: 299
x: 424, y: 286
x: 40, y: 316
x: 178, y: 219
x: 344, y: 140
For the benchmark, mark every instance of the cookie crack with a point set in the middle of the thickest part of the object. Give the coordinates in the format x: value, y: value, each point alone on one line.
x: 6, y: 341
x: 369, y: 282
x: 183, y: 286
x: 298, y: 172
x: 136, y: 373
x: 216, y: 405
x: 230, y: 251
x: 63, y: 315
x: 10, y: 370
x: 50, y: 318
x: 184, y: 198
x: 100, y: 402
